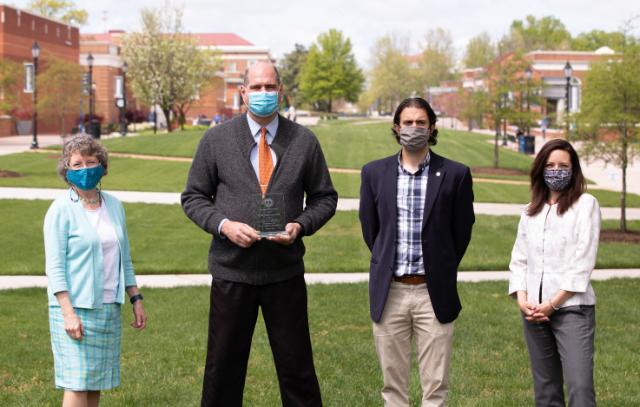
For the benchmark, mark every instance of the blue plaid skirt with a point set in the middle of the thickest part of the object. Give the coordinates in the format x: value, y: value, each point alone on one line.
x: 92, y: 363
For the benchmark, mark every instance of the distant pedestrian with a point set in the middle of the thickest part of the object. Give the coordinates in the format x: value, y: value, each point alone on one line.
x: 544, y: 124
x: 551, y: 265
x: 89, y: 268
x: 291, y: 114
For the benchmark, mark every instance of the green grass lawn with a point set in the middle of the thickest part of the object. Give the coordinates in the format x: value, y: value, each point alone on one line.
x: 345, y: 145
x: 163, y: 365
x: 164, y: 241
x: 348, y: 186
x: 39, y: 171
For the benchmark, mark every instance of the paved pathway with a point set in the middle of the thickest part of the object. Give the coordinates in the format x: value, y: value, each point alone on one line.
x: 186, y: 280
x: 20, y: 144
x: 344, y: 204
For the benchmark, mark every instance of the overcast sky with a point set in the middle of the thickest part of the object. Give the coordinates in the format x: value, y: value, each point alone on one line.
x: 279, y: 24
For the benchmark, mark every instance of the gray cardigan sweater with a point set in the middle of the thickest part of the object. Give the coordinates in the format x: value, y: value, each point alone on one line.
x: 222, y: 183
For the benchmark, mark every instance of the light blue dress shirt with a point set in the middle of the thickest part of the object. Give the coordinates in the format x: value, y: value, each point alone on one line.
x: 272, y: 128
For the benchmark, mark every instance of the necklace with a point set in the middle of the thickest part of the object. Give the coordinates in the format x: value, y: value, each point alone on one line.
x: 89, y: 201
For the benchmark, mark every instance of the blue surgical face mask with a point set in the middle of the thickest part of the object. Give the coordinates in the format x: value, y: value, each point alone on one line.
x: 86, y: 178
x: 263, y: 104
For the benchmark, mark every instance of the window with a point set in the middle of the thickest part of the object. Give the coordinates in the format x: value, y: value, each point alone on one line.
x: 231, y: 67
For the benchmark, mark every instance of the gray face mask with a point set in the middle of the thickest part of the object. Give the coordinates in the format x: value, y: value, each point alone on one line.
x: 557, y: 180
x: 414, y: 138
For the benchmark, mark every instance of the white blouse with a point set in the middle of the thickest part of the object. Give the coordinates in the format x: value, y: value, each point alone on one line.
x: 99, y: 219
x: 557, y: 252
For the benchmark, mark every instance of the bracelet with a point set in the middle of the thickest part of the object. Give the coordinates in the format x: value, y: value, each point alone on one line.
x: 553, y: 306
x: 135, y: 298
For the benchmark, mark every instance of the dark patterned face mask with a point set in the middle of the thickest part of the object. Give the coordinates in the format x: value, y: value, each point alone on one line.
x: 557, y: 180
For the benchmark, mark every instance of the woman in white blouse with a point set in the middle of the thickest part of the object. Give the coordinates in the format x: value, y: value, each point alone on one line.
x: 551, y: 264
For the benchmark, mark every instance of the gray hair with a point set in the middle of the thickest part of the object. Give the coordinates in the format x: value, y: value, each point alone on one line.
x: 245, y: 81
x: 86, y: 146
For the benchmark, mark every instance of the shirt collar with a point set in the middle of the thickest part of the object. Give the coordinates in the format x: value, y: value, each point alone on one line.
x: 255, y: 127
x: 424, y: 164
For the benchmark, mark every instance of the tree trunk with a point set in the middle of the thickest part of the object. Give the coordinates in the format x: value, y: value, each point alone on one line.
x: 623, y: 195
x: 329, y: 107
x: 167, y: 118
x: 496, y: 152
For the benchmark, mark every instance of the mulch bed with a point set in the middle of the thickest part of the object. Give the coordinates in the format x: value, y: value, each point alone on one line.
x: 631, y: 236
x: 497, y: 171
x: 9, y: 174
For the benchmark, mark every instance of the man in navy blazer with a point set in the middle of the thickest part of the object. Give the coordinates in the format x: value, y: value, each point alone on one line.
x: 416, y: 213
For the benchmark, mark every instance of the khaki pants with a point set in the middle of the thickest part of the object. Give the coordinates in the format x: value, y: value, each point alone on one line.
x: 408, y: 314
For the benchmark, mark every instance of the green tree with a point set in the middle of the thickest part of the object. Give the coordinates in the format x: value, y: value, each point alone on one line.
x: 9, y: 85
x: 165, y: 65
x: 594, y: 39
x: 480, y: 51
x: 59, y: 91
x: 437, y: 59
x: 546, y: 33
x: 330, y: 71
x: 610, y: 112
x: 290, y: 67
x: 390, y: 75
x: 474, y: 106
x: 62, y: 10
x: 503, y: 82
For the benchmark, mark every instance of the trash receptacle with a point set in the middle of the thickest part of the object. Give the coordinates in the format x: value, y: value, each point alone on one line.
x: 521, y: 144
x: 529, y: 144
x: 94, y: 129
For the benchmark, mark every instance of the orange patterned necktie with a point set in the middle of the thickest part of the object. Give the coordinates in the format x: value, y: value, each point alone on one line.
x: 265, y: 161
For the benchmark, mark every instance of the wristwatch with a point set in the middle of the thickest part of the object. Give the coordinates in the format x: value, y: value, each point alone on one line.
x: 136, y: 298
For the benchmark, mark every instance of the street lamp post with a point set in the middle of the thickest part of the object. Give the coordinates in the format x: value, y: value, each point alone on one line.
x: 527, y: 74
x: 568, y: 71
x: 123, y: 102
x: 35, y: 53
x: 91, y: 107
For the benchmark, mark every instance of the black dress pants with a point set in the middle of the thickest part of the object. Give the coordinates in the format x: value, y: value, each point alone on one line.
x: 232, y: 318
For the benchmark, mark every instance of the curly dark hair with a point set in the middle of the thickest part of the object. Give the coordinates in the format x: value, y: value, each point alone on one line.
x: 419, y: 103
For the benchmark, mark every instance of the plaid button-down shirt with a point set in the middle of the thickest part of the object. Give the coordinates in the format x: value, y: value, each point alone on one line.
x: 412, y: 193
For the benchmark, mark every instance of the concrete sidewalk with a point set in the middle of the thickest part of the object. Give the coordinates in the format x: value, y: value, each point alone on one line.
x: 344, y: 204
x: 20, y: 144
x: 188, y: 280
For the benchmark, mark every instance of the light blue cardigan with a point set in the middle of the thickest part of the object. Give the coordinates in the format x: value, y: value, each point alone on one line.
x: 73, y: 252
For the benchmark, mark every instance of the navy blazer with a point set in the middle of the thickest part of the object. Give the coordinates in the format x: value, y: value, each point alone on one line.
x: 447, y: 222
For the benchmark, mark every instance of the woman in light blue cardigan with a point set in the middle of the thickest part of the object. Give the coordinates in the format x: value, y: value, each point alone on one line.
x: 88, y: 264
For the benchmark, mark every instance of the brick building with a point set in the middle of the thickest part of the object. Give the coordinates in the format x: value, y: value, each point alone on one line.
x: 221, y: 97
x: 106, y: 72
x: 547, y: 69
x: 18, y: 31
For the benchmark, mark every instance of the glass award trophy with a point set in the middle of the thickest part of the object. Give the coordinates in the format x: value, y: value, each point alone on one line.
x: 268, y: 214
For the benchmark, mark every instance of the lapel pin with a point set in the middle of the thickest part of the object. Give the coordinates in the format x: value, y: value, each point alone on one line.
x: 438, y: 174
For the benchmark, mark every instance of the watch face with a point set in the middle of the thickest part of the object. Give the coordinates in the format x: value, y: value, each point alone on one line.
x: 120, y: 102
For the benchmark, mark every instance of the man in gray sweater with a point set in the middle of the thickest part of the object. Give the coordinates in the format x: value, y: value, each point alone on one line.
x: 258, y: 153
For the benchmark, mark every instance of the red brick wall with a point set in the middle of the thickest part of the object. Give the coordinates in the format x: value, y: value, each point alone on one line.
x: 17, y: 35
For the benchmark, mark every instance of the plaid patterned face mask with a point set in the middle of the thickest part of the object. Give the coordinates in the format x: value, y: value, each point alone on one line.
x: 557, y: 179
